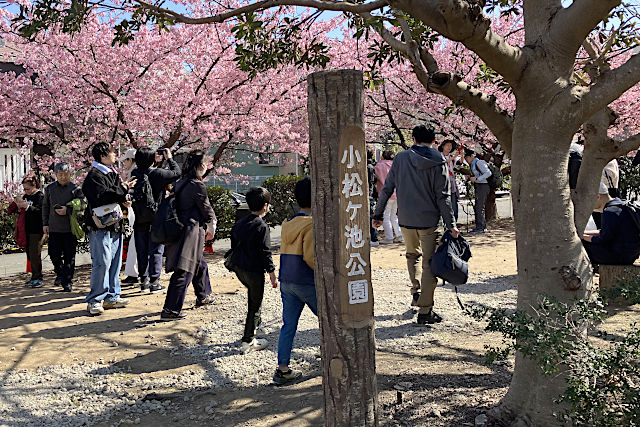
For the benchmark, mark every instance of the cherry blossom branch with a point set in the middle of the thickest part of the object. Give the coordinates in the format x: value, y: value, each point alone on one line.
x: 451, y: 85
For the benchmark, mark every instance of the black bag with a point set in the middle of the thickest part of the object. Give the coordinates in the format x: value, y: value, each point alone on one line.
x: 495, y: 180
x: 449, y: 262
x: 634, y: 211
x: 166, y: 226
x: 227, y: 261
x: 142, y: 201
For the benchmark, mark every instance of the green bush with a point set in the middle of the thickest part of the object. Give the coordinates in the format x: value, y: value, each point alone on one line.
x: 283, y: 201
x: 7, y: 226
x: 629, y: 178
x: 224, y: 207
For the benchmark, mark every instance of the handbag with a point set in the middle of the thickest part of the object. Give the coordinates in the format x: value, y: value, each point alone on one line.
x: 106, y: 215
x: 449, y: 262
x: 227, y: 261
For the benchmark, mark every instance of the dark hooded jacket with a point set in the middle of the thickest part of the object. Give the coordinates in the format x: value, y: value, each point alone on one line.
x: 421, y: 181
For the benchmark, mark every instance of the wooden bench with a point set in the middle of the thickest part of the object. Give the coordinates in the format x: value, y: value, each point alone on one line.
x: 611, y: 275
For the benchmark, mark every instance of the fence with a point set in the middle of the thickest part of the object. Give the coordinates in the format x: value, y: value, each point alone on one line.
x: 13, y: 166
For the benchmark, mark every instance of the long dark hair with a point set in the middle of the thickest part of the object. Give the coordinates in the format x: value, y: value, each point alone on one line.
x: 194, y: 159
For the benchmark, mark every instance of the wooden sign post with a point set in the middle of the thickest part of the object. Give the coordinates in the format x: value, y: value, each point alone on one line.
x: 342, y: 247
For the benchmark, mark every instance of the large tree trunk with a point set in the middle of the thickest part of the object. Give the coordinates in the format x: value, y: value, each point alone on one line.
x: 551, y: 259
x: 346, y: 328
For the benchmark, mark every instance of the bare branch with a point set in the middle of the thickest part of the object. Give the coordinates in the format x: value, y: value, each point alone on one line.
x: 609, y: 87
x: 339, y: 6
x: 628, y: 145
x: 571, y: 26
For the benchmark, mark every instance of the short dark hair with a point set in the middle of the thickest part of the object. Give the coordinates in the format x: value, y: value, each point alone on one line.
x: 31, y: 180
x: 100, y: 150
x: 257, y: 197
x: 145, y: 157
x: 424, y: 134
x: 194, y: 159
x: 388, y: 155
x: 303, y: 192
x: 468, y: 152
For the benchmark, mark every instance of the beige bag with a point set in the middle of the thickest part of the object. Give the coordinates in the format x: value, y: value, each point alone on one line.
x: 104, y: 216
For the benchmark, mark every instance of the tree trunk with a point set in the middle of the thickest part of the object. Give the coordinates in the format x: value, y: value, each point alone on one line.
x: 491, y: 209
x: 335, y: 109
x: 551, y: 259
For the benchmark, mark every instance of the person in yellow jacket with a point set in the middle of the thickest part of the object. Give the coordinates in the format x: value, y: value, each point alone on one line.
x: 297, y: 285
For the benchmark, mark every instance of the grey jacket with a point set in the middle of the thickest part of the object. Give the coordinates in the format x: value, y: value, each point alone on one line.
x: 56, y: 194
x: 421, y: 181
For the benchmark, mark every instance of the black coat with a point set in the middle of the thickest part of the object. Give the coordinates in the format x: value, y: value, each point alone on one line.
x: 33, y: 215
x: 196, y: 213
x: 102, y: 189
x: 251, y: 245
x: 619, y: 233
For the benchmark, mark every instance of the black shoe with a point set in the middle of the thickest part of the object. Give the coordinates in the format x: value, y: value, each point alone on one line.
x: 130, y: 280
x: 415, y: 298
x: 58, y: 282
x: 282, y: 378
x: 145, y: 286
x: 172, y: 315
x: 68, y: 287
x: 430, y: 318
x: 155, y: 288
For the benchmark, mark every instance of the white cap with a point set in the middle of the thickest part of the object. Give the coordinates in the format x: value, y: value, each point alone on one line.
x: 130, y: 154
x: 603, y: 189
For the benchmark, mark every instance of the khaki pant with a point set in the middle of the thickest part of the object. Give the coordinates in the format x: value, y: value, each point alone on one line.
x: 421, y: 243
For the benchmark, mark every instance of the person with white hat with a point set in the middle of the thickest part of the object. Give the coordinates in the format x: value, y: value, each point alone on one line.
x: 131, y: 267
x: 617, y: 242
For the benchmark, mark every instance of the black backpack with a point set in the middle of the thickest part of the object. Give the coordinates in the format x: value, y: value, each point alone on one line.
x: 449, y: 262
x: 634, y: 211
x: 166, y: 226
x: 495, y: 180
x: 142, y: 201
x: 575, y: 160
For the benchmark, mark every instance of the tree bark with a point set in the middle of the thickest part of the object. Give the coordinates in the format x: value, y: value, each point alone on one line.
x: 551, y: 259
x: 348, y: 350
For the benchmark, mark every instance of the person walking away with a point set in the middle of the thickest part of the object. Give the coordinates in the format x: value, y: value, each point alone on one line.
x: 251, y: 257
x: 480, y: 172
x: 152, y: 179
x: 617, y: 242
x: 297, y: 282
x: 185, y: 258
x: 32, y: 202
x: 56, y: 222
x: 131, y: 265
x: 390, y: 221
x: 420, y: 178
x: 451, y: 152
x: 102, y: 186
x: 373, y: 194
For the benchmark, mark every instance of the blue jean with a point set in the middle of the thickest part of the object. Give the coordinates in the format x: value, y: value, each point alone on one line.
x: 106, y: 260
x: 294, y: 297
x: 149, y: 255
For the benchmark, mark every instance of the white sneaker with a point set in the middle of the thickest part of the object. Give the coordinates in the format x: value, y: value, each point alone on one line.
x: 374, y: 244
x: 255, y: 345
x: 260, y: 332
x: 119, y: 303
x: 95, y: 308
x: 398, y: 239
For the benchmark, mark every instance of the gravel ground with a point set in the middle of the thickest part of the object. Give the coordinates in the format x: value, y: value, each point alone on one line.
x: 85, y: 394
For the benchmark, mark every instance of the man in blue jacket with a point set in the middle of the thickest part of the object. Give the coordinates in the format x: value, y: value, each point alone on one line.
x: 421, y: 181
x: 618, y: 240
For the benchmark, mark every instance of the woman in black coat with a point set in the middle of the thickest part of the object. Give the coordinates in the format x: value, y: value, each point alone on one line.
x: 186, y: 256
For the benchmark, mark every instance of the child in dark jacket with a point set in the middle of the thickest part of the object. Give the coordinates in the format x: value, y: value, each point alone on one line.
x: 297, y: 280
x: 251, y: 257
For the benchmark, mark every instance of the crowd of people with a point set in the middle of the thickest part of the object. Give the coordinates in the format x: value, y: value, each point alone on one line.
x: 416, y: 192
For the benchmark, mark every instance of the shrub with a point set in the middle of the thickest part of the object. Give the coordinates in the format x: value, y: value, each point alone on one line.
x: 603, y: 379
x: 224, y: 207
x: 7, y: 226
x: 629, y: 178
x: 283, y: 201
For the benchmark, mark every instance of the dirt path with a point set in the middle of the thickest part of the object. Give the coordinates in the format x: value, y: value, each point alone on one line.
x: 440, y: 379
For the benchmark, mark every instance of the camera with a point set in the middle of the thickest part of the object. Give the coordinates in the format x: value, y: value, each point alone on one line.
x: 161, y: 151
